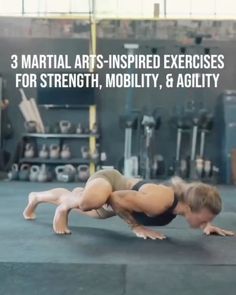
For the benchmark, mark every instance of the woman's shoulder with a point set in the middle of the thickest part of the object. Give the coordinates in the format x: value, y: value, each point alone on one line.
x: 159, y: 195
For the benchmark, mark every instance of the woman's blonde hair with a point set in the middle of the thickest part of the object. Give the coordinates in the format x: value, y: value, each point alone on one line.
x: 197, y: 195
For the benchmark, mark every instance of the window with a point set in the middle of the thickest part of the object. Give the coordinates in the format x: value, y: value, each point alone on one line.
x: 122, y: 8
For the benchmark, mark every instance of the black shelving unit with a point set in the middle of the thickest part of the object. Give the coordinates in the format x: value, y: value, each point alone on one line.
x: 76, y: 161
x: 62, y: 138
x: 32, y: 137
x: 59, y: 135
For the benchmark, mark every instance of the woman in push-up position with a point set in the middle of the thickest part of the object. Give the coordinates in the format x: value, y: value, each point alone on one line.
x: 108, y: 193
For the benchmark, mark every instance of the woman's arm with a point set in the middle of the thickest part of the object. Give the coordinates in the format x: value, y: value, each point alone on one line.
x: 123, y: 207
x: 122, y: 204
x: 152, y: 200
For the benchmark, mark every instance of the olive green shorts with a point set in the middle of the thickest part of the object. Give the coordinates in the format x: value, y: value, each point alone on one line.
x: 114, y: 177
x: 117, y: 182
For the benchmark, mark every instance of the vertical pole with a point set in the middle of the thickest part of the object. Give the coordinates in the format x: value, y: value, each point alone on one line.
x: 194, y: 143
x: 93, y: 32
x: 22, y: 7
x: 179, y: 135
x: 165, y: 3
x: 202, y: 145
x: 92, y: 50
x: 92, y: 139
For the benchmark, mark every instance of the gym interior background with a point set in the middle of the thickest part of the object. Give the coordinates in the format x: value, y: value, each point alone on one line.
x: 144, y: 132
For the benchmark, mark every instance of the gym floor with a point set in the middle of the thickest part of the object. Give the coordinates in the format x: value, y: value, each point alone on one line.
x: 104, y: 257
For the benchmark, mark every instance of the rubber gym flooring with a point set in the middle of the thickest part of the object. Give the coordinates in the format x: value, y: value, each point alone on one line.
x: 104, y: 257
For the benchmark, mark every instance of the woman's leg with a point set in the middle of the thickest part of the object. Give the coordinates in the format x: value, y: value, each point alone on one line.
x: 94, y: 196
x: 54, y: 196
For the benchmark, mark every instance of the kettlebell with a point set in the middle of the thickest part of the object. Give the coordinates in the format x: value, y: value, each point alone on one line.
x: 43, y: 153
x: 68, y: 173
x: 207, y: 168
x: 14, y: 173
x: 30, y: 126
x: 65, y: 126
x: 199, y: 167
x: 79, y: 129
x: 29, y: 151
x: 54, y: 151
x: 24, y: 172
x: 95, y: 154
x: 85, y: 152
x: 65, y: 173
x: 65, y: 152
x: 34, y: 171
x: 103, y: 156
x: 183, y: 168
x: 42, y: 175
x: 58, y: 171
x: 83, y: 172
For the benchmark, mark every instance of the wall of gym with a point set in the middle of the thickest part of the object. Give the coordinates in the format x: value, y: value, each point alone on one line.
x: 114, y: 99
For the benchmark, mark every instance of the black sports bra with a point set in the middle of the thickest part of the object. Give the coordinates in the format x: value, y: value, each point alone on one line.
x: 158, y: 220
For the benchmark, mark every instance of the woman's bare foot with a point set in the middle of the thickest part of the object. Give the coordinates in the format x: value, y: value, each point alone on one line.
x: 29, y: 213
x: 60, y: 221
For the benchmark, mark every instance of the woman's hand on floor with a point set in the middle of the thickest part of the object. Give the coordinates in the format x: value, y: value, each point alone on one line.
x: 211, y: 229
x: 142, y: 232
